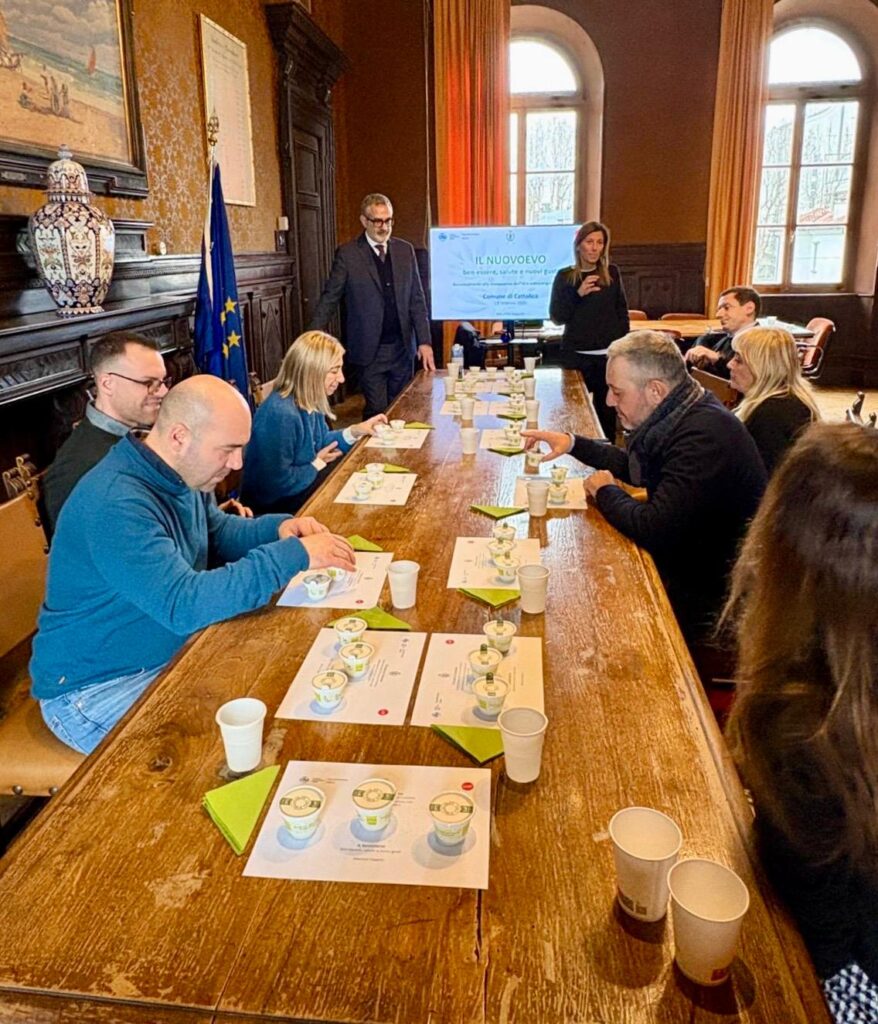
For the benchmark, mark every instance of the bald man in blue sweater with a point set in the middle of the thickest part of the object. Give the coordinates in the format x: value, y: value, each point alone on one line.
x: 128, y: 579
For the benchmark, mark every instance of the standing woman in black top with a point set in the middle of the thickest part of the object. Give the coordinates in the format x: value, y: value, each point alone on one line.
x: 589, y: 300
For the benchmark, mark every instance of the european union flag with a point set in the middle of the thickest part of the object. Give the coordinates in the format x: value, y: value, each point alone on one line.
x: 219, y: 332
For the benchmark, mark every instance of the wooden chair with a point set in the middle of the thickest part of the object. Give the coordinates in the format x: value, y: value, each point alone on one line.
x: 684, y: 316
x: 813, y: 352
x: 718, y: 386
x: 855, y: 413
x: 32, y: 761
x: 637, y: 314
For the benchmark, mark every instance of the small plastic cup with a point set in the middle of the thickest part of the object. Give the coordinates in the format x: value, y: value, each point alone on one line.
x: 507, y: 567
x: 301, y: 809
x: 375, y: 479
x: 375, y: 467
x: 530, y: 363
x: 240, y: 723
x: 646, y: 844
x: 533, y: 581
x: 500, y: 546
x: 534, y: 457
x: 491, y: 371
x: 317, y: 583
x: 484, y: 659
x: 557, y: 493
x: 503, y: 531
x: 467, y: 409
x: 403, y: 577
x: 362, y: 488
x: 469, y: 439
x: 349, y: 629
x: 558, y: 474
x: 451, y: 814
x: 397, y: 425
x: 532, y: 410
x: 500, y: 633
x: 537, y: 496
x: 356, y: 658
x: 373, y: 801
x: 329, y: 688
x: 708, y: 904
x: 490, y: 692
x: 523, y: 731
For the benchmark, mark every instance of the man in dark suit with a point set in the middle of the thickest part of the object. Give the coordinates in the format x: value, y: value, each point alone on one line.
x: 385, y: 314
x: 737, y: 309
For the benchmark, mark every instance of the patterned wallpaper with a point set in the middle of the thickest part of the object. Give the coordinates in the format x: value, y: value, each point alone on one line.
x: 167, y: 55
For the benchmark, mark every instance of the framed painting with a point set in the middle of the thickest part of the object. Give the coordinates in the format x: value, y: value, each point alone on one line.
x: 67, y: 77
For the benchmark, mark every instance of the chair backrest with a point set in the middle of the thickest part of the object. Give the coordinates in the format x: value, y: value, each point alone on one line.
x: 719, y: 386
x: 684, y: 316
x: 814, y: 353
x: 23, y: 579
x: 637, y: 314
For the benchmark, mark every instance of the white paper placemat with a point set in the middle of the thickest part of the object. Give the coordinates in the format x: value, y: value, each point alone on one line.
x: 404, y: 853
x: 394, y: 489
x: 401, y: 439
x: 445, y: 695
x: 451, y: 407
x: 362, y: 591
x: 471, y: 564
x: 380, y: 697
x: 496, y: 439
x: 575, y: 492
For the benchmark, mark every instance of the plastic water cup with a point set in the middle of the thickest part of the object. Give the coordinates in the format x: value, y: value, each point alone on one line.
x: 537, y: 496
x: 533, y: 582
x: 450, y: 385
x: 530, y: 363
x: 646, y: 844
x: 454, y: 368
x: 467, y: 409
x: 708, y: 904
x: 532, y: 410
x: 469, y: 438
x: 530, y: 387
x: 403, y: 576
x: 523, y: 731
x: 240, y: 723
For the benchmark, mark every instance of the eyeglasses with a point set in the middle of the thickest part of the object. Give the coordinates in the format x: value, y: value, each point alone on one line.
x: 151, y: 384
x: 380, y: 222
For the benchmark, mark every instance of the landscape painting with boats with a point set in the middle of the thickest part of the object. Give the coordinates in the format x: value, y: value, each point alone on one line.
x: 62, y: 80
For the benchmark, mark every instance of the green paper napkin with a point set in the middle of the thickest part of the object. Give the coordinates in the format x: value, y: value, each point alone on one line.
x: 497, y: 511
x: 495, y: 598
x: 235, y: 807
x: 359, y: 543
x: 512, y: 415
x: 506, y: 451
x: 481, y: 745
x: 376, y: 618
x: 389, y: 467
x: 416, y: 425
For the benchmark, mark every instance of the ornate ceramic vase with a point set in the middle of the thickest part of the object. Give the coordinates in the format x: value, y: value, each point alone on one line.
x: 72, y: 241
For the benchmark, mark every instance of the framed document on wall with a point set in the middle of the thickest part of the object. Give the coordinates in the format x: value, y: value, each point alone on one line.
x: 227, y: 94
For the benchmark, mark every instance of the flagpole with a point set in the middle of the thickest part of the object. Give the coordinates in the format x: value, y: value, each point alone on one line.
x: 212, y: 137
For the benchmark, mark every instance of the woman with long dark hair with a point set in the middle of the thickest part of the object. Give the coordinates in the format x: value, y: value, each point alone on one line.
x: 588, y: 298
x: 804, y: 728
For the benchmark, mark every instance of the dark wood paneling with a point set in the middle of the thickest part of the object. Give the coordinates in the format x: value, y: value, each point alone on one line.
x: 662, y: 278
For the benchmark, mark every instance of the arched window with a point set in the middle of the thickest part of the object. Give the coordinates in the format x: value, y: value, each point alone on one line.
x: 544, y: 131
x: 807, y: 191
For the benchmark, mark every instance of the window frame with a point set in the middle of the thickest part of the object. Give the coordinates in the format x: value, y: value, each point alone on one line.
x: 799, y: 95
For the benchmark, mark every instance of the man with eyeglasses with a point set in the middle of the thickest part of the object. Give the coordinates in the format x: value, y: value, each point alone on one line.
x: 385, y: 313
x: 129, y: 385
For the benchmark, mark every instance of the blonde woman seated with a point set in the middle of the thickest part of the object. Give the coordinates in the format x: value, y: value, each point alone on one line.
x: 291, y: 443
x: 778, y: 403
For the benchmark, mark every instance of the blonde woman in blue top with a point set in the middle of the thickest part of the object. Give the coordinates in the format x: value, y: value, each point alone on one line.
x: 291, y: 443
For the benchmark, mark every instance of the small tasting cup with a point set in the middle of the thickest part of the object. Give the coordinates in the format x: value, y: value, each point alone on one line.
x: 490, y: 692
x: 373, y: 801
x: 350, y: 629
x: 317, y: 584
x: 356, y: 658
x: 500, y: 633
x: 451, y: 814
x: 329, y: 688
x: 300, y: 809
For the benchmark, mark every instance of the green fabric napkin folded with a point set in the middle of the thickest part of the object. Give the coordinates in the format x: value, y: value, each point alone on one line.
x: 359, y: 543
x: 376, y: 618
x: 496, y: 511
x: 481, y: 745
x: 496, y: 598
x: 506, y: 451
x: 235, y: 807
x: 416, y: 425
x: 512, y: 415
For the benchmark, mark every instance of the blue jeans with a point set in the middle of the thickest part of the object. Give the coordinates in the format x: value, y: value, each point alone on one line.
x: 82, y: 718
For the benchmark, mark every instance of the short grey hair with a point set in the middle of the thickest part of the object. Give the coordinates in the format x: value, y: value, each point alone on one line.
x: 374, y: 199
x: 653, y: 355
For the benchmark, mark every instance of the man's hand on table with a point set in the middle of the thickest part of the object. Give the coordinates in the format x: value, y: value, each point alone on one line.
x: 559, y: 443
x: 326, y: 550
x: 301, y: 526
x: 598, y: 479
x: 425, y: 354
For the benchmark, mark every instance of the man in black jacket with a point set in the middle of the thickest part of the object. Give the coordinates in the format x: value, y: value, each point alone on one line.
x: 701, y: 470
x: 737, y: 309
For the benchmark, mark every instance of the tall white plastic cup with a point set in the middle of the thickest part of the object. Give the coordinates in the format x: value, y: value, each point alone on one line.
x: 533, y: 582
x: 537, y: 496
x: 455, y: 367
x: 467, y: 409
x: 530, y: 387
x: 646, y: 844
x: 403, y: 577
x: 240, y: 723
x: 450, y: 384
x: 469, y: 438
x: 532, y: 410
x: 708, y: 903
x: 530, y: 363
x: 523, y: 731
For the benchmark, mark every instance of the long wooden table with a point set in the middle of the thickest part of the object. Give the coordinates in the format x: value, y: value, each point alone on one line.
x: 123, y: 903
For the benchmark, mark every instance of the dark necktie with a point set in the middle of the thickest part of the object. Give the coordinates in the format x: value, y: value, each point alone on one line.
x: 381, y: 253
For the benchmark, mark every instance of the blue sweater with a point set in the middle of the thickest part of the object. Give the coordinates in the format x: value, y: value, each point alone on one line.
x: 128, y: 572
x: 283, y: 445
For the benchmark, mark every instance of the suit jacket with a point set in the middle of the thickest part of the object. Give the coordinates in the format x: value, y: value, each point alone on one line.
x: 354, y: 278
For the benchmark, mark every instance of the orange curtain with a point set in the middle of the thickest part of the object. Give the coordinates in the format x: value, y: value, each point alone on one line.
x: 471, y: 61
x: 736, y: 157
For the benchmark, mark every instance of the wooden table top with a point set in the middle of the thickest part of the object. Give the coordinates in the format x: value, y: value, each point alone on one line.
x: 689, y: 329
x: 123, y: 903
